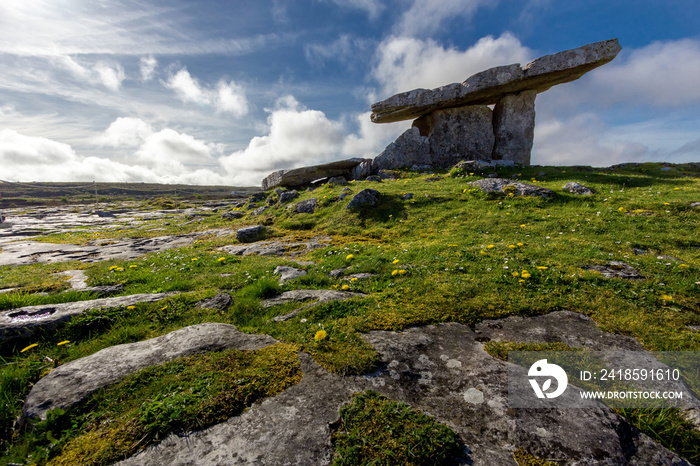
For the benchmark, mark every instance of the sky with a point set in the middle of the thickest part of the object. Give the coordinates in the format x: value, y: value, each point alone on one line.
x: 223, y: 92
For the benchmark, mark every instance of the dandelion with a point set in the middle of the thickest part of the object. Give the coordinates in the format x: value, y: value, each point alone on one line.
x: 521, y: 244
x: 353, y: 279
x: 133, y: 266
x: 525, y: 274
x: 349, y: 257
x: 542, y: 267
x: 622, y: 209
x: 394, y: 272
x: 345, y: 287
x: 320, y: 335
x: 676, y: 189
x: 667, y: 203
x: 522, y: 226
x: 390, y: 216
x: 221, y: 259
x: 114, y: 267
x: 194, y: 259
x: 521, y: 281
x: 464, y: 191
x: 402, y: 272
x: 666, y: 297
x: 29, y: 347
x: 163, y: 308
x: 120, y: 269
x: 63, y: 343
x: 684, y: 266
x: 512, y: 246
x: 396, y: 261
x: 335, y: 287
x: 130, y: 308
x: 483, y: 253
x: 515, y: 274
x: 490, y: 246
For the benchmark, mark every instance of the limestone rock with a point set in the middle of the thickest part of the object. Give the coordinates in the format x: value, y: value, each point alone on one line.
x: 363, y: 198
x: 288, y: 273
x: 234, y: 214
x: 288, y: 196
x: 259, y: 211
x: 250, y: 234
x: 24, y: 321
x: 488, y: 87
x: 616, y: 269
x: 459, y: 133
x: 75, y: 381
x: 321, y: 296
x: 374, y: 178
x: 337, y: 180
x: 277, y: 248
x: 411, y: 148
x: 221, y: 302
x: 301, y: 176
x: 306, y: 207
x: 514, y: 127
x: 576, y: 188
x: 472, y: 166
x: 361, y: 171
x: 489, y: 185
x: 389, y: 175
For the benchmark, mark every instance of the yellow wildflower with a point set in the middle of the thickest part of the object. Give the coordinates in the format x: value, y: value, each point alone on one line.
x: 349, y: 257
x: 684, y: 266
x: 345, y: 287
x: 622, y: 209
x: 29, y: 347
x: 353, y: 279
x: 483, y: 252
x: 666, y: 297
x: 542, y: 267
x: 131, y: 308
x: 63, y: 343
x: 490, y: 246
x: 512, y: 246
x: 320, y: 335
x: 133, y: 266
x: 522, y: 226
x: 335, y: 287
x: 396, y: 261
x: 515, y: 274
x: 525, y: 274
x: 402, y: 272
x: 394, y: 272
x: 221, y: 259
x: 521, y: 244
x: 194, y: 259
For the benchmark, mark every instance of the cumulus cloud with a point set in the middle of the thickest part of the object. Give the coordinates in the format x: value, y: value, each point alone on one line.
x: 147, y: 66
x: 426, y: 16
x: 226, y: 97
x: 585, y: 140
x: 405, y: 63
x: 125, y: 132
x: 661, y: 74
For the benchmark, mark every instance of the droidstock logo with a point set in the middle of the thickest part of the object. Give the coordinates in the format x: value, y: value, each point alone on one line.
x: 542, y: 369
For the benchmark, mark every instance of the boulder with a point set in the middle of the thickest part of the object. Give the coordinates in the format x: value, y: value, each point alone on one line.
x: 220, y: 302
x: 517, y: 188
x: 288, y: 273
x: 616, y: 269
x: 490, y: 86
x: 411, y: 148
x: 361, y: 171
x: 259, y: 210
x: 74, y: 381
x: 364, y: 198
x: 337, y: 180
x: 472, y: 166
x: 288, y: 196
x: 514, y: 127
x: 306, y: 207
x: 305, y: 175
x: 576, y: 188
x: 250, y: 234
x: 234, y: 214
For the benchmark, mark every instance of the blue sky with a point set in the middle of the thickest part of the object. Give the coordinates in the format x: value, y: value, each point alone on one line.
x: 224, y: 92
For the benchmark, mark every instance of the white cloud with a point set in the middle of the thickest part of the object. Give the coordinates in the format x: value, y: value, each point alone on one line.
x: 585, y: 140
x: 373, y: 7
x: 147, y: 66
x: 345, y: 49
x: 226, y: 97
x: 426, y: 16
x: 371, y: 138
x: 109, y: 74
x: 125, y: 132
x: 661, y: 74
x: 404, y: 64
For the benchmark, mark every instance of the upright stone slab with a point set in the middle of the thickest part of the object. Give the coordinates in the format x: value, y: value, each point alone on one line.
x: 457, y: 134
x: 411, y: 148
x: 514, y: 127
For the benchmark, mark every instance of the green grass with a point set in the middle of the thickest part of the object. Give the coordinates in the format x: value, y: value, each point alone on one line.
x: 450, y: 254
x: 373, y: 430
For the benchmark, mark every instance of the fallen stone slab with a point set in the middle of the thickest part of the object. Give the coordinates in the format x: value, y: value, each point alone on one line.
x: 489, y: 185
x: 24, y: 321
x: 278, y: 248
x: 305, y: 175
x: 320, y: 296
x: 488, y: 87
x: 442, y: 370
x: 616, y: 269
x: 221, y: 302
x: 73, y: 382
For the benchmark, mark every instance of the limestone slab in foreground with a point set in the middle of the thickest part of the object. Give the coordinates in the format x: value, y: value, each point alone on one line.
x: 441, y: 370
x: 73, y: 382
x: 24, y: 321
x: 488, y: 87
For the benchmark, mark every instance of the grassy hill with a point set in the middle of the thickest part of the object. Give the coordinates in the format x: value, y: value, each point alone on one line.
x: 450, y: 253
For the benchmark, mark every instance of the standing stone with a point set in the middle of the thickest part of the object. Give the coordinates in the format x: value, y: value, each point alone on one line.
x: 457, y: 134
x: 514, y: 127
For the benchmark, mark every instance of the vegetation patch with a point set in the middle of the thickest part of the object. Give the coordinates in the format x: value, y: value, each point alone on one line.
x: 373, y: 430
x: 183, y: 395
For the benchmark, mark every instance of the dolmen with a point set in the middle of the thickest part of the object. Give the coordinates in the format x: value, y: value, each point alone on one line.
x: 454, y: 122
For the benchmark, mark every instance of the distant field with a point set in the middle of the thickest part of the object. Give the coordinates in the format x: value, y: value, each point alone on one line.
x: 27, y: 194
